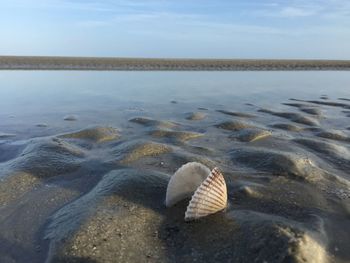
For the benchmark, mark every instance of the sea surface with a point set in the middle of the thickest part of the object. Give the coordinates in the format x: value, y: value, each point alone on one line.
x: 85, y: 158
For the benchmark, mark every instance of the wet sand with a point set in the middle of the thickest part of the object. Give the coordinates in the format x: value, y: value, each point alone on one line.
x: 95, y: 63
x: 96, y: 194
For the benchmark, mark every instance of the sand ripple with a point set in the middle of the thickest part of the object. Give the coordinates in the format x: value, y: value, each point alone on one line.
x: 97, y: 194
x: 233, y: 125
x: 95, y: 134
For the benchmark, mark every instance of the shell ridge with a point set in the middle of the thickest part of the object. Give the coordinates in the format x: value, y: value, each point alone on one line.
x: 210, y: 197
x: 205, y: 193
x: 208, y: 203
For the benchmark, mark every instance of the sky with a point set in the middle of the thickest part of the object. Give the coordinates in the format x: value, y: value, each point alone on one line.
x: 297, y: 29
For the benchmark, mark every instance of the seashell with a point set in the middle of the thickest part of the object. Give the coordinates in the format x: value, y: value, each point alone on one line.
x: 185, y: 181
x: 209, y: 198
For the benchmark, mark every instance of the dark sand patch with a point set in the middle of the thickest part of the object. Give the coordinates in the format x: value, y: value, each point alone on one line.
x: 295, y: 117
x: 70, y: 118
x: 195, y: 116
x: 6, y: 135
x: 313, y: 129
x: 298, y: 105
x: 346, y: 99
x: 334, y: 135
x: 250, y: 135
x: 153, y: 123
x: 237, y: 114
x: 310, y: 109
x: 287, y: 127
x: 330, y: 103
x: 233, y: 125
x: 96, y: 134
x: 41, y: 125
x: 176, y: 135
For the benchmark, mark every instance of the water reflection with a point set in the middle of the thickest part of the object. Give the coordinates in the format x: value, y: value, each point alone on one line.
x: 31, y: 97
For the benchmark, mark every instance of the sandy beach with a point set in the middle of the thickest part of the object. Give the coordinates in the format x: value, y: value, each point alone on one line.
x: 94, y: 190
x: 175, y: 131
x: 100, y: 63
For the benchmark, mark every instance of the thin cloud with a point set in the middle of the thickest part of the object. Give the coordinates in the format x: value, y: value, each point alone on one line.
x: 319, y: 9
x: 296, y: 12
x: 173, y: 23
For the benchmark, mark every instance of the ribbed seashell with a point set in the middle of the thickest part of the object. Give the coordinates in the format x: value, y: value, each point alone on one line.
x: 185, y: 181
x: 209, y: 198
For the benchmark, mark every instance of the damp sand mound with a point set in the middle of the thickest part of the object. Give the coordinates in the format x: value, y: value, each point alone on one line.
x: 117, y: 220
x: 250, y: 135
x: 286, y: 127
x: 278, y: 239
x: 39, y: 160
x: 237, y: 114
x: 70, y: 118
x: 148, y: 122
x: 96, y: 134
x: 310, y: 109
x: 196, y: 116
x: 295, y: 117
x: 47, y: 158
x: 277, y: 162
x: 233, y: 125
x: 121, y: 219
x: 176, y: 135
x: 128, y: 152
x: 337, y: 155
x: 333, y: 135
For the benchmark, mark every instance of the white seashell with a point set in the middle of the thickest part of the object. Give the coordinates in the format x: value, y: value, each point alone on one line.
x: 209, y: 198
x: 185, y: 181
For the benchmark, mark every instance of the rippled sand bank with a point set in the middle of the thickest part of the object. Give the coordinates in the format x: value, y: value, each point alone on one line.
x: 97, y: 194
x: 92, y: 63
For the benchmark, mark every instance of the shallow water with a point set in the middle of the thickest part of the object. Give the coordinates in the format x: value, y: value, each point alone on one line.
x: 28, y: 98
x: 79, y: 147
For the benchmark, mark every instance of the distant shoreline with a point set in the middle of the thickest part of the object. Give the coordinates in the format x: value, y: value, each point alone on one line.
x: 155, y: 64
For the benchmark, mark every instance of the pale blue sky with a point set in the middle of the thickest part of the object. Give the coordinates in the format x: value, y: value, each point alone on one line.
x: 181, y: 28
